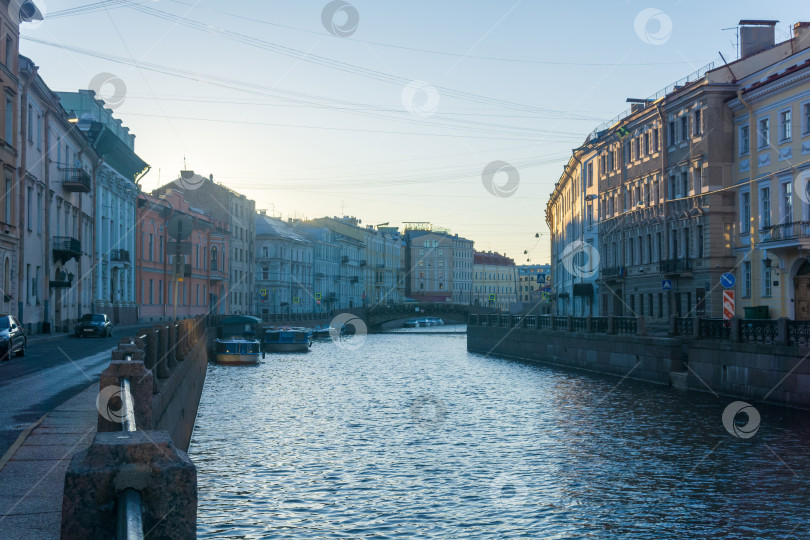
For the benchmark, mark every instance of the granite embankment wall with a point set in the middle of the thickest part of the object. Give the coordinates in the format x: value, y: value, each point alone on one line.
x: 645, y: 358
x: 767, y: 361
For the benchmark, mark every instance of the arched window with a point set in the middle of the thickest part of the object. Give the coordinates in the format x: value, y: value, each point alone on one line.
x: 213, y: 257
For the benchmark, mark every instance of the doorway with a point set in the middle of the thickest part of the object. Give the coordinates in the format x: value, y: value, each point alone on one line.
x: 801, y: 287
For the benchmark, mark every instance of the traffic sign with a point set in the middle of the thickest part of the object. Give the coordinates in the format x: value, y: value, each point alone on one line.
x: 728, y: 280
x: 728, y: 304
x: 318, y: 302
x: 295, y: 300
x: 180, y: 226
x: 707, y: 286
x: 492, y: 297
x: 317, y: 296
x: 666, y: 284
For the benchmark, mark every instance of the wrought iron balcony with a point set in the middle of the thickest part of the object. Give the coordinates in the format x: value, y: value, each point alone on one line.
x: 614, y: 272
x: 785, y: 231
x: 65, y: 248
x: 676, y: 266
x: 119, y: 256
x: 76, y: 180
x: 216, y: 275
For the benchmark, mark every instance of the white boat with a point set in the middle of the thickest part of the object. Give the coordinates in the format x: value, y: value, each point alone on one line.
x: 236, y: 351
x: 411, y: 323
x: 435, y: 321
x: 425, y: 322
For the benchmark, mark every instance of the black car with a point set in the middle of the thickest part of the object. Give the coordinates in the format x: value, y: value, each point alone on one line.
x: 12, y: 337
x: 96, y: 324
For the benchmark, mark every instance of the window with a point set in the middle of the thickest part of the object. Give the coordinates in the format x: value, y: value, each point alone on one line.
x: 646, y: 144
x: 28, y: 202
x: 745, y: 212
x: 589, y: 173
x: 151, y: 291
x: 745, y: 140
x: 9, y: 52
x: 7, y: 217
x: 590, y: 214
x: 785, y: 127
x: 9, y: 132
x: 685, y: 183
x: 655, y: 140
x: 672, y: 133
x: 151, y: 248
x: 610, y: 166
x: 765, y: 208
x: 700, y: 241
x: 30, y: 123
x: 684, y: 127
x: 746, y: 279
x: 161, y: 248
x: 766, y: 278
x: 806, y: 118
x: 787, y: 202
x: 764, y: 132
x: 637, y: 148
x: 697, y: 122
x: 39, y: 212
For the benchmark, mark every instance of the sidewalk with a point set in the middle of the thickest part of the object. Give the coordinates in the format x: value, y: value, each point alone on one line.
x: 32, y: 473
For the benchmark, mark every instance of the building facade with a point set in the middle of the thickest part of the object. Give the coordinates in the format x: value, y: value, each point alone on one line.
x: 284, y: 268
x: 227, y: 206
x: 495, y: 281
x: 534, y: 287
x: 203, y: 287
x: 463, y: 260
x: 771, y: 174
x: 116, y: 194
x: 429, y: 257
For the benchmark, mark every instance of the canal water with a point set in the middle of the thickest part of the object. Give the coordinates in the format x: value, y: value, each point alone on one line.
x: 403, y: 436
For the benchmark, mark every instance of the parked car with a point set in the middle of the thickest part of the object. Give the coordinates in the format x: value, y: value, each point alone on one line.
x: 12, y: 337
x: 96, y: 324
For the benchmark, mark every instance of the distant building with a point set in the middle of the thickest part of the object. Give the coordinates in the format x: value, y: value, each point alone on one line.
x: 429, y: 256
x: 204, y: 286
x: 115, y: 201
x: 532, y: 279
x: 463, y: 259
x: 284, y: 264
x: 223, y: 204
x: 495, y: 280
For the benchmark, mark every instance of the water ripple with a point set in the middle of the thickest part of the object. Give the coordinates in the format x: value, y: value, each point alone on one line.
x: 411, y: 436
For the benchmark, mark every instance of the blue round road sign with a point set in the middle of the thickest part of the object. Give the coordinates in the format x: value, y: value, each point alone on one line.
x: 728, y: 280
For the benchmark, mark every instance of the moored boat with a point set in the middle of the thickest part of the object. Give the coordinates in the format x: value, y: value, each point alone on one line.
x: 411, y: 323
x: 235, y: 351
x: 287, y: 340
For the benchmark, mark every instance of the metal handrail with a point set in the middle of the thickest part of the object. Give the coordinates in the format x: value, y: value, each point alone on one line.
x: 129, y: 511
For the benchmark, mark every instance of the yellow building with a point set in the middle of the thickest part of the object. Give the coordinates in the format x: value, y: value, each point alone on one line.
x: 495, y: 281
x: 771, y: 173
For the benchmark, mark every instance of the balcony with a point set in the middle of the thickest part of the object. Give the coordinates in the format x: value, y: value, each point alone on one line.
x: 216, y: 275
x: 344, y: 259
x: 786, y: 234
x: 76, y: 180
x: 65, y: 248
x: 676, y: 266
x: 119, y: 257
x: 614, y: 272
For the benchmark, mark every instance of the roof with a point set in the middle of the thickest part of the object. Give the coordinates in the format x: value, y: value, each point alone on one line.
x: 495, y: 259
x: 269, y: 226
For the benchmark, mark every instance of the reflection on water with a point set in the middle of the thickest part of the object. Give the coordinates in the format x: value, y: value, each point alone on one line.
x: 413, y: 436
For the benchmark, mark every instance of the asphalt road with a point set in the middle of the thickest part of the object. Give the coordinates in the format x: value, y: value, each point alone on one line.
x: 51, y: 372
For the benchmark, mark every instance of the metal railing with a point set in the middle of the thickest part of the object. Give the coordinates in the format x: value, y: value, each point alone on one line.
x: 798, y: 332
x: 625, y: 325
x: 758, y: 331
x: 785, y: 231
x: 579, y: 324
x: 599, y: 325
x: 129, y: 510
x: 684, y: 326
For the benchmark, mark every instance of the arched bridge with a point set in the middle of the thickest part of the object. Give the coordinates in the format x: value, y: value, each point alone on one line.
x: 376, y: 316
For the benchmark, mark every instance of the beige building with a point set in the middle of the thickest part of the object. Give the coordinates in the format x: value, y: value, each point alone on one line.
x: 666, y: 204
x: 771, y: 174
x: 495, y: 281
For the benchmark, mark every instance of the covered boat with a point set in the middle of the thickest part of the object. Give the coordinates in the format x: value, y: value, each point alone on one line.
x: 287, y: 340
x: 236, y: 342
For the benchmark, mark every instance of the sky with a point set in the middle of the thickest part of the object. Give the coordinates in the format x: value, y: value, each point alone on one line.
x: 459, y: 113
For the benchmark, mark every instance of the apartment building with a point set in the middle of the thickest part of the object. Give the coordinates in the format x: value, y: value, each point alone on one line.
x: 532, y: 280
x: 203, y: 287
x: 429, y: 257
x: 115, y: 199
x: 284, y: 268
x: 571, y: 216
x: 227, y: 206
x: 771, y: 115
x: 463, y: 261
x: 495, y: 281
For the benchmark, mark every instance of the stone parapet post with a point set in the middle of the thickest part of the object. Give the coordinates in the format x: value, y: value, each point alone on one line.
x: 781, y: 331
x: 146, y: 461
x: 641, y: 326
x: 735, y: 330
x: 108, y: 403
x: 569, y: 323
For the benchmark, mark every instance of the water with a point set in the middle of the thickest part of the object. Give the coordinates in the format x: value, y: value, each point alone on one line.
x: 411, y: 436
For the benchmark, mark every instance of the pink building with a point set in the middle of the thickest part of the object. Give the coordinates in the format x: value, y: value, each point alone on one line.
x: 205, y: 286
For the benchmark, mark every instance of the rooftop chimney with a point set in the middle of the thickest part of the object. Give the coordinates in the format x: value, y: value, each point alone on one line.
x: 756, y: 36
x: 801, y: 35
